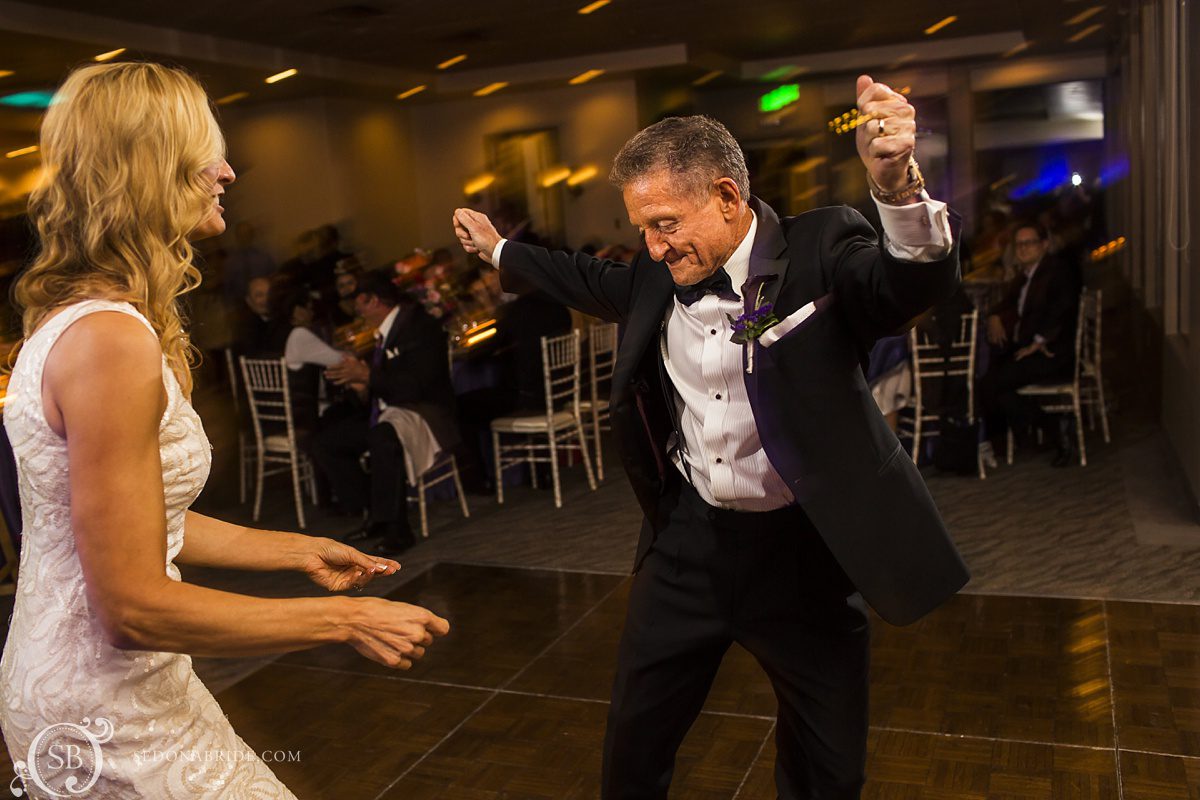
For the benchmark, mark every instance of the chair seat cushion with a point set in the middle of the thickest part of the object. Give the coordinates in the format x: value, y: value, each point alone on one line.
x: 278, y: 442
x: 532, y: 423
x: 586, y: 405
x: 1047, y: 388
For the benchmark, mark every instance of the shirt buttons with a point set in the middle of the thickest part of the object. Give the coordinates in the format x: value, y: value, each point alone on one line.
x: 720, y: 460
x: 713, y: 331
x: 717, y: 396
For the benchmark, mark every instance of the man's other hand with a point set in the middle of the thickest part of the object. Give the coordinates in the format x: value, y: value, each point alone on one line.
x: 995, y: 331
x: 476, y: 233
x: 350, y: 371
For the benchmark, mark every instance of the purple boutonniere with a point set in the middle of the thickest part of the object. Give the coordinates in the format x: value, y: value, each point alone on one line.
x: 752, y: 324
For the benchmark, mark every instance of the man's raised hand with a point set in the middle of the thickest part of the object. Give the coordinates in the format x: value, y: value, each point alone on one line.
x: 885, y: 152
x: 475, y: 233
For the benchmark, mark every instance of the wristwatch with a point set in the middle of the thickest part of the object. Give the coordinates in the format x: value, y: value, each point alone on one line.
x: 916, y: 185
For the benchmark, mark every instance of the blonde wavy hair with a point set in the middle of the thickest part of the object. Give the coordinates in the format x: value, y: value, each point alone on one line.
x: 123, y: 150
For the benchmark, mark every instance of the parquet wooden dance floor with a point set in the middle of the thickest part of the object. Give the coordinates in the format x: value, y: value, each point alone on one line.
x: 990, y: 697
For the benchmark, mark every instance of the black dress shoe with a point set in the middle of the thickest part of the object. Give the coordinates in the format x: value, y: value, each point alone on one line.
x: 1065, y: 453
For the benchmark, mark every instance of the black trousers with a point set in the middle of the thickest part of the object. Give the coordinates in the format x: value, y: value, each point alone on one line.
x: 768, y: 582
x: 476, y: 410
x: 1002, y: 407
x: 337, y: 450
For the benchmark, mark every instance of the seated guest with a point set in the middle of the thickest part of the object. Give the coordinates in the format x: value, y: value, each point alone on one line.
x: 1032, y: 333
x: 256, y: 333
x: 304, y: 345
x: 305, y: 354
x: 520, y: 388
x: 245, y: 262
x: 346, y: 276
x: 406, y: 419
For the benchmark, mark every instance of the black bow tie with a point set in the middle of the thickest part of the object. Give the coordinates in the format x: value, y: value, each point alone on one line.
x: 718, y: 283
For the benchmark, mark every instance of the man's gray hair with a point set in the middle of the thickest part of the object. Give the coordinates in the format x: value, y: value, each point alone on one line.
x: 698, y: 149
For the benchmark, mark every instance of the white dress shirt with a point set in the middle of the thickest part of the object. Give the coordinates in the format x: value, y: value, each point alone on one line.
x: 721, y: 445
x: 305, y: 347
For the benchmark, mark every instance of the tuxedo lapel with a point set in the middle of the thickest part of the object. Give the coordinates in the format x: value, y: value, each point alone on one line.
x: 768, y: 257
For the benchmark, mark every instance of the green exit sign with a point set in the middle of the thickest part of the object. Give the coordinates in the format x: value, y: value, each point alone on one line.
x: 778, y: 98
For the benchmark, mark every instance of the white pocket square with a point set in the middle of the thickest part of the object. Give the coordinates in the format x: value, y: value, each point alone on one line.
x: 782, y: 328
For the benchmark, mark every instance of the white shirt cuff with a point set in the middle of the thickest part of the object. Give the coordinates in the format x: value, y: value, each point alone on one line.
x: 496, y: 253
x: 917, y: 231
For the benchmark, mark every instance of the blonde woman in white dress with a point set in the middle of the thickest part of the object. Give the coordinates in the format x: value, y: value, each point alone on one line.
x: 110, y: 455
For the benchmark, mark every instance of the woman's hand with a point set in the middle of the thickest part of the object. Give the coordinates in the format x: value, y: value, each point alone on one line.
x: 394, y: 634
x: 338, y: 567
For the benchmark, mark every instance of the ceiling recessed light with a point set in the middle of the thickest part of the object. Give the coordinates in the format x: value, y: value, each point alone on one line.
x: 596, y: 6
x: 24, y: 151
x: 584, y: 77
x: 708, y: 77
x: 937, y: 26
x: 232, y: 98
x: 1084, y: 15
x: 280, y: 76
x: 410, y: 92
x: 450, y: 62
x: 110, y: 55
x: 1088, y: 31
x: 490, y: 88
x: 4, y: 73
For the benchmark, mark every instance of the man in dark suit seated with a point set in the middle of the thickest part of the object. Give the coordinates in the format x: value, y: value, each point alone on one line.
x: 520, y: 387
x: 777, y: 501
x: 1032, y: 333
x: 407, y: 371
x: 257, y: 333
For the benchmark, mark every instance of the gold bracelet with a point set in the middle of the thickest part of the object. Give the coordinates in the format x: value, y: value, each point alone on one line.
x: 916, y: 185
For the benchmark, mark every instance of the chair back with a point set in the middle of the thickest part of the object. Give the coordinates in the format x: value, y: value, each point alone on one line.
x: 932, y: 359
x: 1087, y: 332
x: 560, y: 369
x: 602, y: 358
x: 231, y: 369
x: 267, y: 393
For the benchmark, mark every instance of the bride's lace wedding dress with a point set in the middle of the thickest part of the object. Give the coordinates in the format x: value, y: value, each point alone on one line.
x: 169, y: 738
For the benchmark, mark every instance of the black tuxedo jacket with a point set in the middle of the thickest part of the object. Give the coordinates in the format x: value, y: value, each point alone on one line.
x: 415, y: 372
x: 1051, y: 306
x: 819, y: 425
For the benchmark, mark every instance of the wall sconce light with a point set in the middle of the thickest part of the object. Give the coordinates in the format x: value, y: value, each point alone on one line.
x: 579, y: 177
x: 554, y: 176
x: 478, y: 184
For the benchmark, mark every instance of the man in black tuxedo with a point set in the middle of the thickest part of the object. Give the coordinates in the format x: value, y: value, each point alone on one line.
x: 408, y: 369
x: 1032, y: 332
x: 776, y: 499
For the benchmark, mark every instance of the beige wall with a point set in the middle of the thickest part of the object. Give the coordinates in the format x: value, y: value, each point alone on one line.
x: 593, y: 121
x: 311, y: 162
